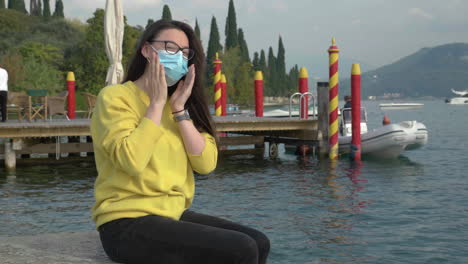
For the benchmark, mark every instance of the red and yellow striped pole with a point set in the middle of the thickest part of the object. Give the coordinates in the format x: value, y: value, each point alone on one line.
x: 223, y: 95
x: 71, y: 95
x: 333, y: 52
x: 217, y: 85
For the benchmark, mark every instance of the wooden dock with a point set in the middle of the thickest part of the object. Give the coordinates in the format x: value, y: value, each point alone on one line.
x: 24, y: 137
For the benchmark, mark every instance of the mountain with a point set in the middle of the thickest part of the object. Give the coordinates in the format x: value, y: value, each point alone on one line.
x: 428, y: 72
x: 317, y: 66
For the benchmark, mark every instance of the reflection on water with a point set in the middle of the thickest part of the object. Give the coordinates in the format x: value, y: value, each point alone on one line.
x: 409, y: 210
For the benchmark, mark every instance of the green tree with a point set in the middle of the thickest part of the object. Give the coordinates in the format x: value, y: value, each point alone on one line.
x: 166, y: 14
x: 149, y: 23
x: 46, y: 12
x: 272, y: 88
x: 2, y: 4
x: 256, y: 62
x: 281, y: 69
x: 35, y: 8
x: 39, y: 8
x: 89, y: 59
x: 197, y: 30
x: 13, y: 63
x: 40, y: 75
x: 214, y: 46
x: 130, y: 39
x: 41, y: 53
x: 293, y: 80
x: 262, y: 66
x: 230, y: 29
x: 58, y: 12
x: 17, y: 5
x: 244, y: 50
x: 239, y: 77
x: 262, y: 63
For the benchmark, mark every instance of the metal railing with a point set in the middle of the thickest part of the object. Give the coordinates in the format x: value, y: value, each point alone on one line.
x: 303, y: 103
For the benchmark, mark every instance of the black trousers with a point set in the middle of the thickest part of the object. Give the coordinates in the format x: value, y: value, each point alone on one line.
x: 195, y: 238
x: 3, y: 104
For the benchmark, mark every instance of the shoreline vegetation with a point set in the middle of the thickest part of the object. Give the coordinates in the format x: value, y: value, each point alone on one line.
x: 39, y: 48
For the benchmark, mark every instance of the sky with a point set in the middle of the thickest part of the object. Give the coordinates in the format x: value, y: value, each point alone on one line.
x: 373, y: 33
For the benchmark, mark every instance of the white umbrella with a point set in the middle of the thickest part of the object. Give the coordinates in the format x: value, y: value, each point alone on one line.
x: 113, y: 32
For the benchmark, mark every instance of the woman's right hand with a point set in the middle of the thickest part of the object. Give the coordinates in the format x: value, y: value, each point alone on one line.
x: 157, y: 86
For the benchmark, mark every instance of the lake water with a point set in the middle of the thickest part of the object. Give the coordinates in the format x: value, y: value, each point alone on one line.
x: 410, y: 210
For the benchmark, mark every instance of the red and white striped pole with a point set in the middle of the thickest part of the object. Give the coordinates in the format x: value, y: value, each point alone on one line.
x: 258, y: 94
x: 304, y: 88
x: 356, y: 112
x: 333, y: 97
x: 71, y: 95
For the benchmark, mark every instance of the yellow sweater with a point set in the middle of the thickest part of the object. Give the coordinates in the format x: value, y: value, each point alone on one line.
x: 142, y: 168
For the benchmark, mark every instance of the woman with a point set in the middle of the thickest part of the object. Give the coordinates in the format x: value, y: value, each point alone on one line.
x: 146, y: 148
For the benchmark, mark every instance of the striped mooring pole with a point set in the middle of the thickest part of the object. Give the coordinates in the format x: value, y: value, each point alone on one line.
x: 71, y: 95
x: 258, y: 84
x: 304, y: 88
x: 333, y: 52
x: 217, y: 85
x: 356, y: 112
x: 223, y: 95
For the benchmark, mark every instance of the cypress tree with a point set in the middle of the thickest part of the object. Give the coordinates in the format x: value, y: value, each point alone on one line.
x: 2, y: 4
x: 281, y: 68
x: 35, y: 8
x: 293, y: 78
x: 231, y: 27
x: 256, y: 62
x: 32, y: 7
x: 214, y: 46
x: 272, y: 73
x: 150, y: 22
x: 39, y: 8
x: 197, y: 29
x: 244, y: 50
x: 17, y: 5
x: 166, y: 14
x: 46, y: 12
x: 58, y: 12
x: 262, y: 64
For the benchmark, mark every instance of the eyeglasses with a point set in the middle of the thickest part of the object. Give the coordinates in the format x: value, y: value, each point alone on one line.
x: 173, y: 48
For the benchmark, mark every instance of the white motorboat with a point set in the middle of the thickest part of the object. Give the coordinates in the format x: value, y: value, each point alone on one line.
x: 387, y: 141
x: 462, y: 99
x: 400, y: 106
x: 280, y: 113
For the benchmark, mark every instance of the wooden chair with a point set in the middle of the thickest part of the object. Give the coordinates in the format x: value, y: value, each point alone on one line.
x: 18, y: 103
x: 56, y: 105
x: 37, y: 103
x: 90, y: 102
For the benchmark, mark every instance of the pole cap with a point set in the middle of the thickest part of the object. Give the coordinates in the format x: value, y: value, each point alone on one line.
x: 70, y: 77
x: 303, y: 73
x: 356, y: 69
x: 258, y: 76
x: 217, y: 60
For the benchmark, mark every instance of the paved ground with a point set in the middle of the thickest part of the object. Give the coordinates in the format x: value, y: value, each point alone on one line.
x: 62, y: 248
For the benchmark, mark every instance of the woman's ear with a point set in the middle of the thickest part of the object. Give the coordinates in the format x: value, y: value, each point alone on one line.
x: 145, y: 51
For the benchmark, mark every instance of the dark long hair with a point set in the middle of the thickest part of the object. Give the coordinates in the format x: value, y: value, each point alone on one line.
x: 196, y: 104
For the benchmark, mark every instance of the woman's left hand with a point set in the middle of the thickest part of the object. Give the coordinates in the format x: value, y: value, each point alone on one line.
x: 183, y: 91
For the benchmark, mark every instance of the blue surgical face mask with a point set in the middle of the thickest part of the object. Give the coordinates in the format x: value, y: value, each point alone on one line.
x: 175, y: 66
